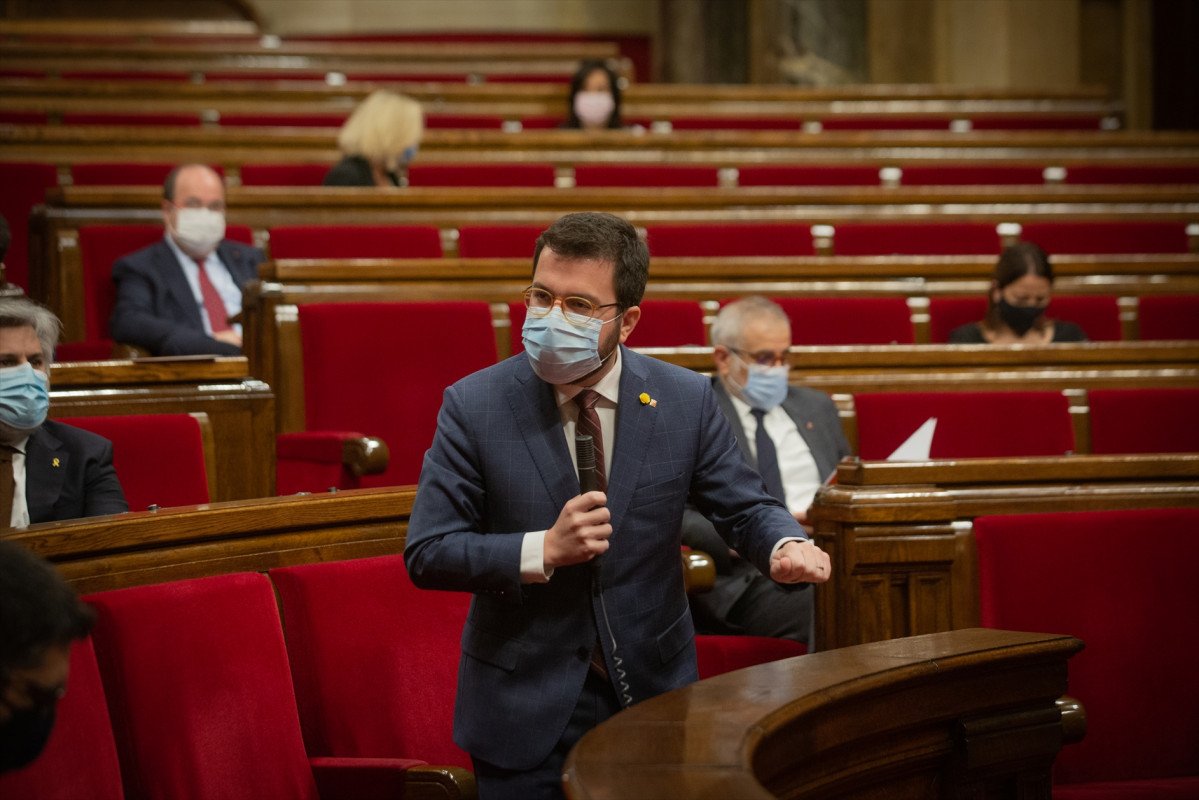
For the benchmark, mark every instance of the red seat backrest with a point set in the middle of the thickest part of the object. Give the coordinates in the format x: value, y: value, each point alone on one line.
x: 136, y: 120
x: 945, y: 314
x: 465, y: 121
x: 1169, y: 316
x: 80, y: 759
x: 1108, y: 236
x: 234, y: 120
x: 848, y: 320
x: 499, y: 241
x: 199, y: 690
x: 113, y: 173
x: 355, y: 241
x: 647, y: 175
x: 159, y: 458
x: 807, y: 175
x: 733, y: 239
x: 1144, y: 420
x: 1098, y: 315
x: 1053, y: 573
x: 481, y: 175
x: 885, y: 122
x: 969, y: 424
x: 717, y: 655
x: 971, y: 175
x: 715, y: 123
x: 1132, y: 173
x: 906, y: 238
x: 25, y: 186
x: 375, y: 368
x: 1037, y: 123
x: 283, y: 174
x: 374, y: 659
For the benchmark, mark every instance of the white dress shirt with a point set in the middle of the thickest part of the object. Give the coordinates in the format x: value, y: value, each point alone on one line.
x: 797, y: 466
x: 218, y: 273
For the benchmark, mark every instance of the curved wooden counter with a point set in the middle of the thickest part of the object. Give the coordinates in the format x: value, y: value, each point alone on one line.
x: 967, y: 713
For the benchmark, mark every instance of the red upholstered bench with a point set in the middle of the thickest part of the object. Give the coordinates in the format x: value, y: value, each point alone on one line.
x: 481, y: 175
x: 1070, y: 573
x: 283, y: 174
x: 499, y: 241
x: 594, y: 175
x: 720, y: 654
x: 733, y: 239
x: 848, y: 320
x: 907, y: 238
x: 25, y: 186
x: 1169, y: 316
x: 807, y: 175
x: 1144, y: 420
x: 1141, y: 236
x: 355, y: 241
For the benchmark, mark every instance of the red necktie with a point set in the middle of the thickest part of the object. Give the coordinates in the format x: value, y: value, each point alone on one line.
x: 589, y: 425
x: 218, y: 317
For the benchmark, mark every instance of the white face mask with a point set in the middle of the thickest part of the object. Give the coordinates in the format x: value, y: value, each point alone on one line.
x: 594, y: 108
x: 198, y: 230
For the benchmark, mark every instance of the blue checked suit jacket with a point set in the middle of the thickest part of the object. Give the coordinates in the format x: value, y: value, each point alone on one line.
x: 499, y: 467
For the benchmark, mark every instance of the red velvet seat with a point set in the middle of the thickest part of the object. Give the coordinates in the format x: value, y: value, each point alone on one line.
x: 645, y: 175
x: 374, y: 659
x: 378, y: 370
x: 481, y: 175
x: 848, y: 320
x: 125, y: 75
x: 714, y: 123
x: 1169, y: 316
x: 266, y: 76
x: 498, y: 241
x: 732, y: 239
x: 25, y: 186
x: 200, y: 695
x: 664, y: 323
x: 1054, y: 573
x: 807, y: 175
x: 1098, y: 315
x: 355, y: 241
x: 1144, y: 420
x: 720, y: 654
x: 1131, y: 173
x: 969, y: 424
x: 971, y: 175
x: 229, y: 120
x: 1109, y: 236
x: 131, y: 119
x: 80, y: 759
x: 464, y: 121
x: 885, y: 122
x: 159, y: 458
x: 945, y: 314
x: 916, y: 239
x: 1037, y: 123
x: 284, y: 174
x: 23, y: 117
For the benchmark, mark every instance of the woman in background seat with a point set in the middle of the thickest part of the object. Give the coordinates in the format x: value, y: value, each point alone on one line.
x: 1020, y: 290
x: 594, y: 98
x: 378, y: 141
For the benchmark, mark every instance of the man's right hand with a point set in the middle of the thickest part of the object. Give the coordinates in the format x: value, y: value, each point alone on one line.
x: 228, y: 337
x: 581, y: 532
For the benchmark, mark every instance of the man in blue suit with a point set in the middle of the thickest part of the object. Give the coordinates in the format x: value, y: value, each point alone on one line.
x: 176, y: 296
x: 579, y: 607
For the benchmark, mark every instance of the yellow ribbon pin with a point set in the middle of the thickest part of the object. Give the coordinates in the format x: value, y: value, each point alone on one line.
x: 55, y: 462
x: 646, y: 400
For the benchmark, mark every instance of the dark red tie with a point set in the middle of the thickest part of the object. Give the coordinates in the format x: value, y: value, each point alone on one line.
x: 218, y: 317
x: 589, y: 425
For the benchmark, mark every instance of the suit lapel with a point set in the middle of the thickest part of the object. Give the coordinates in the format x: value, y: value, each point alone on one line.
x: 634, y: 426
x: 177, y: 286
x: 45, y: 472
x: 730, y: 413
x: 534, y: 407
x: 234, y: 260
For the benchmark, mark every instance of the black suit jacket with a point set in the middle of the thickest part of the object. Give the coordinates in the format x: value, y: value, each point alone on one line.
x: 155, y: 307
x: 69, y: 474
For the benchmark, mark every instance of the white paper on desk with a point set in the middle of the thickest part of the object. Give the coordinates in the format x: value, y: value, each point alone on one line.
x: 918, y: 445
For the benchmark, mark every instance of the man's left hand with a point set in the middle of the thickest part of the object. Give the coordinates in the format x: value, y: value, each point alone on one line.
x: 800, y: 562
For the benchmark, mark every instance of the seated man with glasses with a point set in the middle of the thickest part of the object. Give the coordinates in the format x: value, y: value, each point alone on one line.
x: 793, y: 437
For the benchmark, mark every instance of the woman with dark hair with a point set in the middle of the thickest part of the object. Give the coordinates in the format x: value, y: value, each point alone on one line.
x: 594, y: 97
x: 1020, y: 289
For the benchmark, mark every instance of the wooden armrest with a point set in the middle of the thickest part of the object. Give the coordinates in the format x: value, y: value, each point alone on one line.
x: 366, y: 455
x: 440, y: 783
x: 699, y: 572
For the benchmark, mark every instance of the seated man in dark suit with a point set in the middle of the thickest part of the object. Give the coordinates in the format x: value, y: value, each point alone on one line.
x: 176, y: 297
x: 48, y: 471
x: 805, y: 442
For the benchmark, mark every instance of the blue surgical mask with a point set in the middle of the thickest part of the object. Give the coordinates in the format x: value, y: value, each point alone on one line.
x: 24, y: 397
x: 765, y: 387
x: 409, y: 154
x: 560, y: 351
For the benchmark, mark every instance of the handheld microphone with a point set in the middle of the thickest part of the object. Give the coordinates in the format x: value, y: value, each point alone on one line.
x: 585, y: 455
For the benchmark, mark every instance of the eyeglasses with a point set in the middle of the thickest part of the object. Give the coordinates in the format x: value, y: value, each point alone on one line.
x: 765, y: 358
x: 577, y: 310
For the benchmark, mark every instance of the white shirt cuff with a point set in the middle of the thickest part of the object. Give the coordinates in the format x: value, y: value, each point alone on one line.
x: 532, y: 559
x: 782, y: 542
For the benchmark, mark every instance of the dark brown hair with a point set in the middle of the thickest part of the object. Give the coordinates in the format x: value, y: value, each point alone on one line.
x: 1016, y: 261
x: 604, y: 237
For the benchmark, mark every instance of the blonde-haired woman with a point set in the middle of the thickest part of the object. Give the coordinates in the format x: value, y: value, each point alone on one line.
x: 379, y: 138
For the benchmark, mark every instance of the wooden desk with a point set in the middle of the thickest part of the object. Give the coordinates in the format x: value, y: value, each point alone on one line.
x: 240, y: 409
x: 971, y: 713
x: 900, y: 533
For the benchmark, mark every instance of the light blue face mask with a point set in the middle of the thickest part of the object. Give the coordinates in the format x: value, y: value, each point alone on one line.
x: 560, y: 351
x: 24, y: 397
x: 765, y: 387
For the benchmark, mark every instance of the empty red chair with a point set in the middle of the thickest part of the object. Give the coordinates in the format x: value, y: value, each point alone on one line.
x: 731, y: 239
x: 466, y: 121
x: 481, y: 175
x: 80, y: 759
x: 1098, y: 315
x: 374, y: 368
x: 1108, y: 236
x: 355, y: 241
x: 946, y: 314
x: 1131, y: 173
x: 716, y: 655
x: 1052, y: 573
x: 885, y: 122
x: 499, y: 241
x: 645, y: 175
x: 282, y: 120
x: 25, y: 186
x: 100, y: 350
x: 969, y: 424
x: 283, y: 174
x: 374, y: 659
x: 1144, y: 420
x: 735, y: 123
x: 159, y: 458
x: 137, y: 120
x: 972, y: 175
x: 848, y: 320
x: 201, y: 699
x: 807, y: 175
x: 916, y: 239
x: 1173, y: 316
